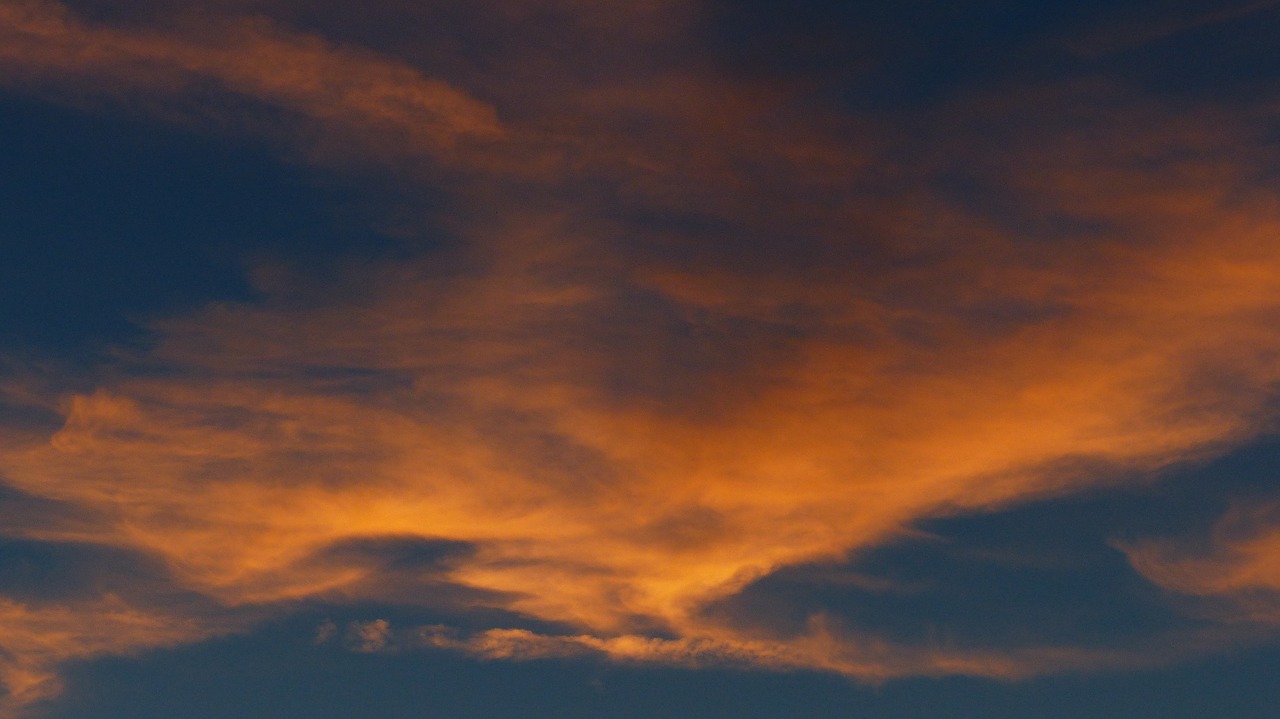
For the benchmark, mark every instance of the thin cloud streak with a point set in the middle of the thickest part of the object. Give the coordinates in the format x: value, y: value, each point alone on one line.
x: 825, y: 647
x: 43, y: 47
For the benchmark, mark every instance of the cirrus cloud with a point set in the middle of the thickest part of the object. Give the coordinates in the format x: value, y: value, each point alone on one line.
x: 691, y: 337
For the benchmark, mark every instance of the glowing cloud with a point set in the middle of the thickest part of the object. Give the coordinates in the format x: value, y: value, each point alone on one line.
x: 624, y: 419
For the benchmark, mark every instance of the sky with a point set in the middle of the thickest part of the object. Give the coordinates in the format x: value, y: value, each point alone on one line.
x: 684, y: 358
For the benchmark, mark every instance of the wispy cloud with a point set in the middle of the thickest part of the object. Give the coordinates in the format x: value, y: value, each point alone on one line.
x: 37, y: 639
x: 825, y: 647
x: 692, y: 337
x: 46, y: 49
x: 1238, y: 566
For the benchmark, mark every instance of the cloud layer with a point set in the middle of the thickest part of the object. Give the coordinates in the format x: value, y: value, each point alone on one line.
x: 685, y: 331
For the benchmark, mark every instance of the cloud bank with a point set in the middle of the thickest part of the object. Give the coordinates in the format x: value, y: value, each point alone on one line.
x: 685, y: 333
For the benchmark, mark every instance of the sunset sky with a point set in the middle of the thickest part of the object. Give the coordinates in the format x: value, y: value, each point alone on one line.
x: 613, y: 359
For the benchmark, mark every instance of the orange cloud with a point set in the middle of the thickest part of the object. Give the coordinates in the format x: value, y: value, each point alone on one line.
x: 43, y: 47
x: 36, y: 639
x: 496, y: 428
x: 1240, y: 564
x: 824, y: 648
x: 693, y: 353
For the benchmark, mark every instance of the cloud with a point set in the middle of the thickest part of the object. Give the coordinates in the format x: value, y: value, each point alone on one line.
x: 693, y: 335
x: 825, y: 647
x: 44, y: 47
x: 588, y: 509
x: 1238, y: 566
x: 368, y: 637
x: 37, y: 639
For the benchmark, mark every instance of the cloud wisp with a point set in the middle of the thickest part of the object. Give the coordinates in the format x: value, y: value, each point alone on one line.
x: 1237, y: 568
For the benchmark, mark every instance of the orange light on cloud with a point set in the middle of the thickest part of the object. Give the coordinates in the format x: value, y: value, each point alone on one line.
x: 861, y: 397
x: 1240, y: 567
